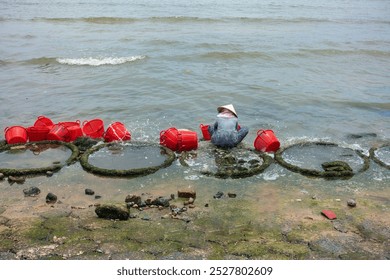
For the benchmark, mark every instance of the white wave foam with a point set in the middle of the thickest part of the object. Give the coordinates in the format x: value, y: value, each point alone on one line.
x: 91, y: 61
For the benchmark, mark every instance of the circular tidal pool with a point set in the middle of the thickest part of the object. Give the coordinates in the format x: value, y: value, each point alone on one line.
x: 34, y: 156
x: 312, y: 156
x: 127, y: 156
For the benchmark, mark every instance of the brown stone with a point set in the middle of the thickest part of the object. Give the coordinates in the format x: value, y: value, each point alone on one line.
x: 186, y: 193
x: 133, y: 198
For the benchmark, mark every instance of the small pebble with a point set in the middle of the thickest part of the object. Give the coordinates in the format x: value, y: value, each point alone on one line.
x: 89, y: 192
x: 218, y: 195
x: 98, y: 196
x: 49, y: 173
x: 338, y: 199
x: 298, y: 200
x: 206, y: 205
x: 232, y: 195
x: 351, y: 203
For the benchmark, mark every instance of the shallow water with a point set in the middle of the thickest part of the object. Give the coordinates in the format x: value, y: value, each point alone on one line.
x: 313, y: 156
x: 34, y: 157
x: 127, y: 157
x: 307, y: 70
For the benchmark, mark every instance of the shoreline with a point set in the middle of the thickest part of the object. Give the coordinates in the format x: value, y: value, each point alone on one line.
x: 273, y: 223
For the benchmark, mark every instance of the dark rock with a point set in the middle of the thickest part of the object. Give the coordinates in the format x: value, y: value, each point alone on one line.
x: 49, y: 173
x: 31, y: 191
x: 206, y: 205
x: 160, y: 201
x: 98, y: 196
x: 186, y: 193
x: 218, y: 195
x: 232, y: 195
x: 89, y: 192
x: 133, y: 198
x: 112, y: 212
x: 51, y: 198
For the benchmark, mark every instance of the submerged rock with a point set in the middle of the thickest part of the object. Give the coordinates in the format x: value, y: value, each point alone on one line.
x: 362, y: 135
x: 336, y: 166
x: 112, y: 212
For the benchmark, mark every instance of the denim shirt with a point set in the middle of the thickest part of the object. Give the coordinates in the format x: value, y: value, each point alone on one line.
x: 224, y: 132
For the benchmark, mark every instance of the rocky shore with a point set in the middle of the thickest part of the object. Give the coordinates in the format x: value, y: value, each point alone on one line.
x: 187, y: 224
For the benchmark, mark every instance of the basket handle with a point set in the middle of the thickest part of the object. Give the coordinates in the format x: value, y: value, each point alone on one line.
x: 84, y: 122
x: 260, y: 131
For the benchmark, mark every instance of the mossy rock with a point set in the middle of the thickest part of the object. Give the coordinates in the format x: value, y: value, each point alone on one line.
x: 112, y: 212
x: 231, y: 167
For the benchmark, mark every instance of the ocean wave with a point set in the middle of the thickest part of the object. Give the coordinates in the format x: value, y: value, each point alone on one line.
x: 91, y: 61
x: 88, y: 61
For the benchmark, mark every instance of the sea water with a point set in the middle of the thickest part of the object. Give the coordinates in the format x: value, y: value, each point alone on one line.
x: 308, y: 70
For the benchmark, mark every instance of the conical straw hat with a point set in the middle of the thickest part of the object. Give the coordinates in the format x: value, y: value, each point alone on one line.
x: 229, y: 107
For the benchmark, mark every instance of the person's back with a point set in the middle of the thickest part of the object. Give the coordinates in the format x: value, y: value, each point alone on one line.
x: 225, y: 133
